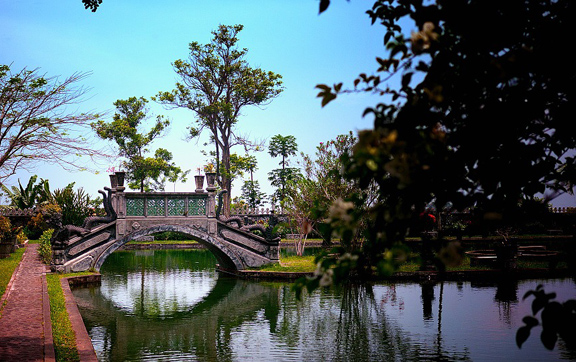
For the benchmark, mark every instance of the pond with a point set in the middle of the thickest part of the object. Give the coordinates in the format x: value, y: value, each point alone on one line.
x: 173, y: 305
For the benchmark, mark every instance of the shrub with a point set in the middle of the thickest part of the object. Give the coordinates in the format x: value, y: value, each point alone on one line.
x: 35, y: 227
x: 76, y: 205
x: 45, y: 249
x: 47, y: 217
x: 21, y: 237
x: 7, y: 231
x: 5, y: 226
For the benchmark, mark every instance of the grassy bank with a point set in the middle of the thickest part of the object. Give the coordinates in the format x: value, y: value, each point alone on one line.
x: 63, y: 334
x: 306, y: 264
x: 292, y: 264
x: 7, y: 267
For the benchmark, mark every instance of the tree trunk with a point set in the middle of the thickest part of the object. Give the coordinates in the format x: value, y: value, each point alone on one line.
x: 300, y: 243
x: 226, y: 181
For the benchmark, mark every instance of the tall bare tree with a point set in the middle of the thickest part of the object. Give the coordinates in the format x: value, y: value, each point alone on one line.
x: 36, y: 124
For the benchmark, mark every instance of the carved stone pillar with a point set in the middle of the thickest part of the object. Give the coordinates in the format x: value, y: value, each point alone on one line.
x: 211, y: 201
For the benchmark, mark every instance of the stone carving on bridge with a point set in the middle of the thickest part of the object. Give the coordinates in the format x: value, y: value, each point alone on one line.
x: 110, y: 213
x: 238, y: 222
x: 62, y: 236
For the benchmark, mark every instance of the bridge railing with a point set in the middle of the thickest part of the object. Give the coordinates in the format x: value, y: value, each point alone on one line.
x: 166, y: 204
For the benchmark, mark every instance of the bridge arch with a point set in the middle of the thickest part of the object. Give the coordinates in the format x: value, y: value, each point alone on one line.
x: 226, y: 257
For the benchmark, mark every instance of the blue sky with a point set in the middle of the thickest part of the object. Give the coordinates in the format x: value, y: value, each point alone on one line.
x: 129, y: 46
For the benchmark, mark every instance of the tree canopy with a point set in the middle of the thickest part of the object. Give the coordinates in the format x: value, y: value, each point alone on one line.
x: 284, y: 146
x: 142, y: 172
x: 311, y: 195
x: 252, y: 195
x: 216, y: 83
x: 36, y: 124
x: 481, y: 117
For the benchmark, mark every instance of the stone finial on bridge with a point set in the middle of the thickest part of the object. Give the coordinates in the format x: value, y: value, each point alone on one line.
x: 211, y: 181
x: 199, y: 179
x: 117, y: 181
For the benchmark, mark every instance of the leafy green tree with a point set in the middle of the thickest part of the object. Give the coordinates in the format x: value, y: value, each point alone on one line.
x: 252, y: 195
x: 35, y: 124
x: 237, y: 205
x: 238, y: 166
x: 310, y: 197
x: 284, y: 146
x: 299, y: 205
x: 176, y: 174
x: 216, y: 84
x: 144, y: 173
x: 481, y: 117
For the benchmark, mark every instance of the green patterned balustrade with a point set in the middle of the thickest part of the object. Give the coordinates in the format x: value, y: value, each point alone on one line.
x: 166, y: 205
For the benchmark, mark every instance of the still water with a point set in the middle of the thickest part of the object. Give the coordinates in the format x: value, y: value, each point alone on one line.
x: 171, y: 305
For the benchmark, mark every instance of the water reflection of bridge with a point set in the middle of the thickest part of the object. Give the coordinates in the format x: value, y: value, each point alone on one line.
x: 232, y: 303
x: 131, y: 215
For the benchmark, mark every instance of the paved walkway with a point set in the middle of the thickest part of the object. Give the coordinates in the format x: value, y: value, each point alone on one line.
x: 25, y: 328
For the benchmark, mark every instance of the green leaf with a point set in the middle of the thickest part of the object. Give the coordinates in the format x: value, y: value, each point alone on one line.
x: 324, y: 5
x: 406, y: 78
x: 538, y: 304
x: 522, y: 335
x: 548, y: 338
x: 530, y: 321
x: 327, y: 98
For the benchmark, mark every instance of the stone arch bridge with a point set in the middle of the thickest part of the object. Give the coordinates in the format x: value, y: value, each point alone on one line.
x: 131, y: 215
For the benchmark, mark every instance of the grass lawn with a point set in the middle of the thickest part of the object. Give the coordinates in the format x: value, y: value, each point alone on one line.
x: 292, y: 264
x: 7, y: 267
x: 63, y: 334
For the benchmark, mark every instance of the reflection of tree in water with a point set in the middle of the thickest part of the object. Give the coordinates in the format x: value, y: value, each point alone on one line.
x: 506, y: 296
x: 239, y: 318
x: 156, y: 278
x: 364, y: 331
x: 391, y: 297
x: 438, y: 351
x: 427, y: 299
x: 350, y: 324
x: 566, y: 353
